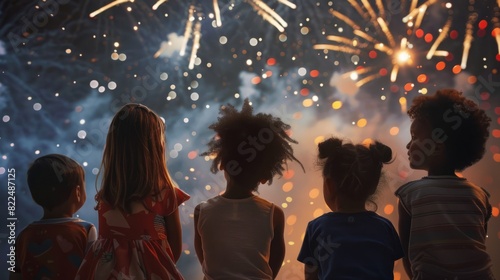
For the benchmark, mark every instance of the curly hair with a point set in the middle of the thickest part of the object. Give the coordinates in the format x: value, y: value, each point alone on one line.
x: 464, y: 124
x: 250, y: 148
x: 354, y: 168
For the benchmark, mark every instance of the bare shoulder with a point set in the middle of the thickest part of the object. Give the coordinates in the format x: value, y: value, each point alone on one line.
x: 278, y: 215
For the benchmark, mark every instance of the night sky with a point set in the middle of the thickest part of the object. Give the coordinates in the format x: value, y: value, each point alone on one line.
x: 64, y: 74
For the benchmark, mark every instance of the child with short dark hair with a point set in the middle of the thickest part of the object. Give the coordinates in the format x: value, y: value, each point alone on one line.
x: 350, y: 242
x: 239, y: 235
x: 54, y: 247
x: 442, y: 217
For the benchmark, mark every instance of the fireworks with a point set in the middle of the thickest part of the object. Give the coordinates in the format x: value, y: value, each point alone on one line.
x: 194, y: 22
x: 391, y: 41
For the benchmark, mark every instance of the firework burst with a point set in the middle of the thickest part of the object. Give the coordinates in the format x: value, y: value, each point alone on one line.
x: 195, y: 16
x: 393, y: 42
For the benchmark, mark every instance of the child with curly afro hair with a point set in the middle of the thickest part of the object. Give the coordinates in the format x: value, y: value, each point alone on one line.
x: 443, y: 217
x: 239, y: 235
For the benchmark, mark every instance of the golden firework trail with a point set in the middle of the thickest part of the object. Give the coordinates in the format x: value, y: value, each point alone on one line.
x: 382, y: 39
x: 194, y: 29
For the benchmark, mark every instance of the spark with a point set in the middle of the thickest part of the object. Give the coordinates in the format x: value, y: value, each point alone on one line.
x: 345, y: 19
x: 469, y: 30
x: 157, y: 4
x: 381, y: 8
x: 268, y: 14
x: 108, y: 6
x: 496, y: 25
x: 343, y: 49
x: 218, y: 20
x: 196, y: 44
x: 382, y: 39
x: 370, y: 10
x: 420, y: 16
x: 367, y: 79
x: 261, y: 8
x: 497, y: 38
x: 386, y: 31
x: 187, y: 31
x: 290, y: 4
x: 414, y: 11
x: 439, y: 39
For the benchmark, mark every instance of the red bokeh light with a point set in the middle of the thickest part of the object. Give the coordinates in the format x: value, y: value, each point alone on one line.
x: 271, y: 61
x: 428, y: 37
x: 419, y: 33
x: 482, y: 24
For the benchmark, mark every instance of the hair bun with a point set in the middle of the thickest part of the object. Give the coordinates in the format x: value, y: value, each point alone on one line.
x: 329, y: 147
x: 381, y: 152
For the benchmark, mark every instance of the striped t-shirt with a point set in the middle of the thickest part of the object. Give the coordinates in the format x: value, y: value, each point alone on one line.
x: 448, y: 228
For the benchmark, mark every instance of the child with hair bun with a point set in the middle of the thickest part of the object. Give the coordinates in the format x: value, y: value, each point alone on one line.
x: 350, y: 242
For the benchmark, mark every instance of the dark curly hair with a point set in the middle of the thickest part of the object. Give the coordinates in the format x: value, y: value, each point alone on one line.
x: 250, y: 147
x: 464, y: 124
x: 354, y: 168
x: 52, y: 178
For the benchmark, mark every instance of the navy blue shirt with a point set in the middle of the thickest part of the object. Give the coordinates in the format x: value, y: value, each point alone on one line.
x: 351, y: 246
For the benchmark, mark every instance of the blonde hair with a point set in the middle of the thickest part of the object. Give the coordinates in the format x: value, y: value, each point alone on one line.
x: 134, y: 163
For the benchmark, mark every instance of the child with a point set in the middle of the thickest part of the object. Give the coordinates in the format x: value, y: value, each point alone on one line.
x: 442, y: 217
x: 239, y: 235
x: 139, y: 225
x: 350, y: 242
x: 54, y: 247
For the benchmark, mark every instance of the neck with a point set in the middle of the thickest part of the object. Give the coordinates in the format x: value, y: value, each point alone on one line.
x: 441, y: 171
x: 346, y: 205
x: 61, y: 211
x: 55, y: 215
x: 236, y: 192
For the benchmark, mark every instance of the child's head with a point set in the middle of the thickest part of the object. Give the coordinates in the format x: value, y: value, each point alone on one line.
x: 447, y: 130
x: 250, y: 148
x: 53, y: 178
x: 351, y: 171
x: 133, y: 164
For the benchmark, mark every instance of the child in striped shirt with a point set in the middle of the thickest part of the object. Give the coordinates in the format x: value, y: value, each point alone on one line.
x: 443, y: 217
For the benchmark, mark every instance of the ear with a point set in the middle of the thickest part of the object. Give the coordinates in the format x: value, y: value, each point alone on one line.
x: 78, y: 193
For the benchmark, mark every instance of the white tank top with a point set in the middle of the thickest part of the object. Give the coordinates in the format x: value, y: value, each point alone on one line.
x: 236, y: 238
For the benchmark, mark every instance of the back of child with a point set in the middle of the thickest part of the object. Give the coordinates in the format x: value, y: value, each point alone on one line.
x: 239, y: 235
x: 442, y: 217
x: 350, y: 242
x: 53, y: 247
x: 139, y: 226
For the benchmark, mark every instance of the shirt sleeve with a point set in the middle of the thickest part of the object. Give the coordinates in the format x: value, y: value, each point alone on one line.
x: 91, y: 236
x: 180, y: 196
x: 171, y: 201
x: 306, y: 255
x: 396, y: 245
